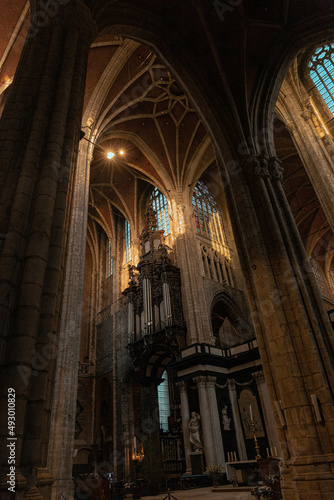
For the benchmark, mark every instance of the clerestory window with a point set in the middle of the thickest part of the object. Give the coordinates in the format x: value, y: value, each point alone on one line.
x: 127, y: 241
x: 208, y: 217
x: 163, y: 402
x: 109, y: 260
x: 160, y: 205
x: 321, y: 67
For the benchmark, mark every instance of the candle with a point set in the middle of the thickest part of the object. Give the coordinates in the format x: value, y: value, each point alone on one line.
x: 271, y: 452
x: 235, y: 456
x: 267, y: 452
x: 276, y: 452
x: 251, y: 412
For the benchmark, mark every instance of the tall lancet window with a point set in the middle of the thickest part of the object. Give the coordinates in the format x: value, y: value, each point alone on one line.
x: 160, y: 206
x: 109, y: 260
x: 127, y: 241
x: 321, y: 68
x: 163, y: 401
x: 208, y: 217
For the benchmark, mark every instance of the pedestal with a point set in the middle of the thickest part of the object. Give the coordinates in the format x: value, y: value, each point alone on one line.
x: 197, y: 463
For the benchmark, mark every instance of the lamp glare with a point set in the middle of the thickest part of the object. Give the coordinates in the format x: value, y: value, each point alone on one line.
x: 121, y: 152
x: 110, y: 155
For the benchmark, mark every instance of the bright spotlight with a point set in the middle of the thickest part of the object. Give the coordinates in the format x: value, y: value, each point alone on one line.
x: 121, y: 152
x: 110, y: 155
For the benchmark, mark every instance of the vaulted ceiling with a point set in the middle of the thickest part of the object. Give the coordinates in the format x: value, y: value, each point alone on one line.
x: 310, y: 218
x: 133, y: 102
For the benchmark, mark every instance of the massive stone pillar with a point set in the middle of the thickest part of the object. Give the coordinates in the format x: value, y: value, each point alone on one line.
x: 189, y: 259
x: 293, y: 330
x: 185, y: 423
x: 39, y: 136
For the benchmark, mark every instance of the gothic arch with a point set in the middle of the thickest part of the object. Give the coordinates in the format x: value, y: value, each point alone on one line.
x: 262, y: 107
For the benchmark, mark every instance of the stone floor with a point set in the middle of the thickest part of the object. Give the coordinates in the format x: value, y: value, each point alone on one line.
x: 221, y: 493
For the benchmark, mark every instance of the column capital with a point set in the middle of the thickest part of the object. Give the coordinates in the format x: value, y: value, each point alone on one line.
x: 231, y: 384
x: 307, y: 111
x: 205, y: 381
x: 211, y: 381
x: 256, y: 166
x: 290, y: 127
x: 200, y: 381
x: 183, y: 385
x: 275, y: 168
x: 258, y: 377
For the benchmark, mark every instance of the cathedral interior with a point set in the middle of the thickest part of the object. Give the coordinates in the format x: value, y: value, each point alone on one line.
x: 166, y: 244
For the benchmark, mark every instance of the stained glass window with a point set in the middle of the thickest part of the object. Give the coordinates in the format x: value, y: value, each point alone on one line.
x: 160, y: 205
x: 208, y: 218
x: 321, y: 68
x: 109, y: 260
x: 163, y: 402
x: 127, y: 241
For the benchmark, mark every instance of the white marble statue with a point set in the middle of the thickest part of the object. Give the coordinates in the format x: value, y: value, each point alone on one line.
x: 226, y: 420
x: 195, y: 432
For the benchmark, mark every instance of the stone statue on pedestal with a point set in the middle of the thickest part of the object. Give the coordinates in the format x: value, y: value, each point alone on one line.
x: 226, y: 420
x: 195, y: 432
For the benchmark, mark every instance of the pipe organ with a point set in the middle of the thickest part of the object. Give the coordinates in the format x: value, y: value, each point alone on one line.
x: 154, y: 293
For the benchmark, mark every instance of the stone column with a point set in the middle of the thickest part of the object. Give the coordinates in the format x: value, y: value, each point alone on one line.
x: 39, y: 167
x: 66, y: 377
x: 215, y: 420
x: 292, y: 326
x: 149, y: 410
x: 206, y: 422
x: 267, y: 410
x: 237, y: 420
x: 205, y: 264
x: 220, y: 277
x: 224, y: 264
x: 188, y: 258
x: 185, y: 414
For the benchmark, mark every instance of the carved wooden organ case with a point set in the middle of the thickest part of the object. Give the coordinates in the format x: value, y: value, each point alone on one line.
x: 155, y: 316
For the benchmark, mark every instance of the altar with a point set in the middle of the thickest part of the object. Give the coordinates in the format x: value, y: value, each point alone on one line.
x: 246, y: 472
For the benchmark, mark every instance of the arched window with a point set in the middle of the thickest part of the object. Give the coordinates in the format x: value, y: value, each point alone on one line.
x: 208, y: 218
x: 127, y: 241
x: 163, y: 402
x: 109, y: 260
x: 160, y: 205
x: 321, y: 68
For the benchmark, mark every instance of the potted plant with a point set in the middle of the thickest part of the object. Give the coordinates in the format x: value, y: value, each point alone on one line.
x: 263, y: 492
x: 216, y: 474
